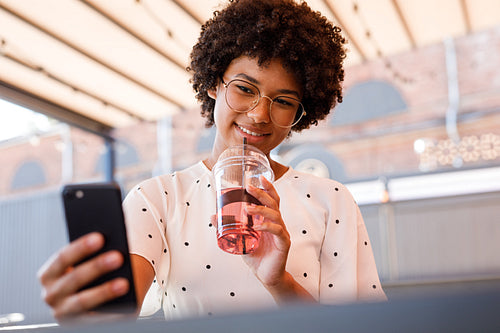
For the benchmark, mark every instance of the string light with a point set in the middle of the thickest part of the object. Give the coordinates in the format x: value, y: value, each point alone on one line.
x: 168, y: 32
x: 369, y: 36
x: 469, y: 149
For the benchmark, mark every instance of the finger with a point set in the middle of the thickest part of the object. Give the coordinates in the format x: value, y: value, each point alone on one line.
x: 268, y: 213
x: 277, y: 230
x: 70, y: 255
x: 90, y: 298
x: 269, y: 188
x: 263, y: 196
x: 81, y: 276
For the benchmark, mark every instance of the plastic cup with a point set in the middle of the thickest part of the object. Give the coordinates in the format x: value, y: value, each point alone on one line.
x: 236, y: 167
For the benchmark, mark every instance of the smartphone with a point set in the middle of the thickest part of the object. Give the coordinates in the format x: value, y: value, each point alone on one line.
x: 98, y: 207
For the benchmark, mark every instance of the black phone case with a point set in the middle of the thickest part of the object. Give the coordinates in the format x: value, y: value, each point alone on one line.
x: 98, y: 207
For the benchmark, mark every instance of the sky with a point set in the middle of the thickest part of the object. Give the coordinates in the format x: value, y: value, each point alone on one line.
x: 18, y: 121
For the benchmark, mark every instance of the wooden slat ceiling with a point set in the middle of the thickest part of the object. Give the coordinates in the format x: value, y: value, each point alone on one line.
x: 119, y: 61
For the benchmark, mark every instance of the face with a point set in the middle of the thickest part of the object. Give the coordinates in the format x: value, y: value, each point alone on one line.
x: 255, y: 125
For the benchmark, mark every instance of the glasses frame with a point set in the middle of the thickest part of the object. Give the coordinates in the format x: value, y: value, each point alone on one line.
x: 226, y: 85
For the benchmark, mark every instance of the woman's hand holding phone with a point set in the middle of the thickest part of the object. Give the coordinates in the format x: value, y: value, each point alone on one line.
x: 62, y: 280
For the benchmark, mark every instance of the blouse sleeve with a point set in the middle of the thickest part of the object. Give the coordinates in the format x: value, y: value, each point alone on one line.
x: 369, y: 287
x: 145, y: 227
x: 348, y: 270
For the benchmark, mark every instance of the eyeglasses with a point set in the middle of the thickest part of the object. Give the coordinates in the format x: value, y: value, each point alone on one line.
x: 242, y: 96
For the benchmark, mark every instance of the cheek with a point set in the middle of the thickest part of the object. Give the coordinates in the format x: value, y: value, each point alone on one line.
x: 221, y: 111
x: 217, y: 113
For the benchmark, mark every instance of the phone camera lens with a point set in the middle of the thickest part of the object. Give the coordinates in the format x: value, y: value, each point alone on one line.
x: 79, y: 194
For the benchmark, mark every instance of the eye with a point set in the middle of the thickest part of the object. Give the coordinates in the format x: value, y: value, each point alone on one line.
x: 245, y: 89
x: 285, y: 102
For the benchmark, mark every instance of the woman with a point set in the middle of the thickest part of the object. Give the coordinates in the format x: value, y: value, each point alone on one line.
x: 286, y: 61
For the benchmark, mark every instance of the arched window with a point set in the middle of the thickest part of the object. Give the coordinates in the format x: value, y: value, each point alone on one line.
x: 368, y: 100
x: 315, y: 159
x: 29, y: 174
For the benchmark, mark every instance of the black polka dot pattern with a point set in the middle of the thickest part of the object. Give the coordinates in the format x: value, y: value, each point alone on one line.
x: 306, y: 230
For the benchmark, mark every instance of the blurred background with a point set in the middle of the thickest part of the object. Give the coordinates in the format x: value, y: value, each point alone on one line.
x: 96, y: 90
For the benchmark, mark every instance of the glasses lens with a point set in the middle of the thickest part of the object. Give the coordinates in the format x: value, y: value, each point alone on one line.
x: 286, y: 111
x: 241, y: 96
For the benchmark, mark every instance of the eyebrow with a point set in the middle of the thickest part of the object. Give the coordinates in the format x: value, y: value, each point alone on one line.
x: 254, y: 81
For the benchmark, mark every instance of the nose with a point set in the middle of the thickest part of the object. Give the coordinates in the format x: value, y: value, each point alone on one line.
x: 261, y: 112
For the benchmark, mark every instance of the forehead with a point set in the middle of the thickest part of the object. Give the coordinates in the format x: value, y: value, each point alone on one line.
x: 271, y: 74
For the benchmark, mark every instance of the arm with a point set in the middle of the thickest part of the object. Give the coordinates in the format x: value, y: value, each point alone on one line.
x: 288, y: 290
x: 268, y: 262
x: 143, y: 277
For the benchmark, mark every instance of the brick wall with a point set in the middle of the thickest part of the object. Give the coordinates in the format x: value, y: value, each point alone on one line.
x: 376, y: 147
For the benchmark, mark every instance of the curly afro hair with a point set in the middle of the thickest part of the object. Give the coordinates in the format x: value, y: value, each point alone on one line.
x: 307, y: 44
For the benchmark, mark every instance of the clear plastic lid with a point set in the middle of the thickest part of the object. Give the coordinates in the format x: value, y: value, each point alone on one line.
x: 243, y: 158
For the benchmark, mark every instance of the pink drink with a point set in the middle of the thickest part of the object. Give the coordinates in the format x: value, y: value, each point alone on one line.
x: 237, y: 167
x: 235, y: 233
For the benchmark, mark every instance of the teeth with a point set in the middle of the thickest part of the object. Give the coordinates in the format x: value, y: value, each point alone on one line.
x: 249, y: 132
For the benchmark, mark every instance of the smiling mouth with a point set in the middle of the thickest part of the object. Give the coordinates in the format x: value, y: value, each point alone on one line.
x: 244, y: 130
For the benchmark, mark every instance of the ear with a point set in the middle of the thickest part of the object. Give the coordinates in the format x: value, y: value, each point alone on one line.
x: 212, y: 92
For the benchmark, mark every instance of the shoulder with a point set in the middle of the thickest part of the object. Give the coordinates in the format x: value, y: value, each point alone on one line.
x: 173, y: 182
x: 298, y: 179
x: 325, y: 191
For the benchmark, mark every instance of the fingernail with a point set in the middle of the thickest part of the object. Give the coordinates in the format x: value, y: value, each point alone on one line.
x: 119, y: 286
x: 93, y: 240
x: 112, y: 259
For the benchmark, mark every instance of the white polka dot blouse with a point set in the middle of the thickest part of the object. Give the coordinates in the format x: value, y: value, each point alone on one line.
x: 169, y: 224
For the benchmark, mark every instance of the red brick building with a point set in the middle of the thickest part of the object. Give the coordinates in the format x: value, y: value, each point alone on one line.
x: 390, y: 105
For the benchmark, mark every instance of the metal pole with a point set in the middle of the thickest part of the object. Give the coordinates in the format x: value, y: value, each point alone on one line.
x: 453, y: 95
x: 109, y: 160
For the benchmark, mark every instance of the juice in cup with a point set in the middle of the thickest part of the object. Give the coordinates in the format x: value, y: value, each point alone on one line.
x: 236, y: 167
